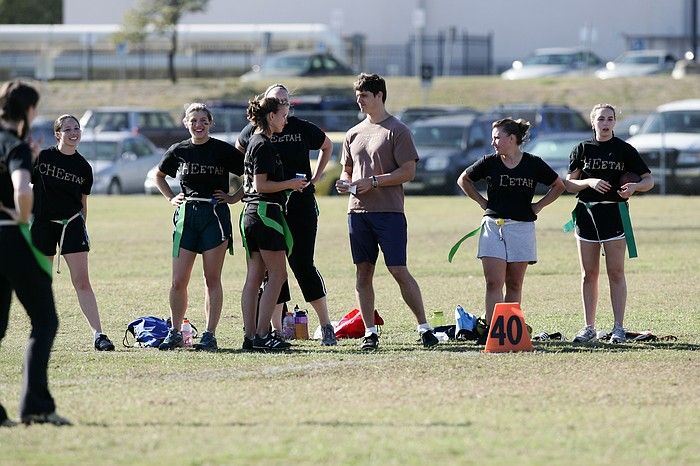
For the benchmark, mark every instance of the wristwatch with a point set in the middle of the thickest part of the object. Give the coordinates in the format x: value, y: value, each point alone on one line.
x: 375, y: 183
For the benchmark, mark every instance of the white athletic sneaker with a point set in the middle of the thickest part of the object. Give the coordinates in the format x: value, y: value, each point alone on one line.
x: 618, y: 334
x: 587, y: 334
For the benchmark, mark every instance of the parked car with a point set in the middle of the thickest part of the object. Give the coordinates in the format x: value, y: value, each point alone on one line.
x: 298, y: 63
x: 410, y: 114
x: 157, y: 125
x: 555, y: 149
x: 629, y: 125
x: 119, y: 160
x: 229, y: 119
x: 554, y: 62
x: 669, y: 142
x: 446, y: 146
x: 638, y: 63
x: 544, y: 118
x: 328, y: 112
x: 326, y: 184
x: 42, y: 133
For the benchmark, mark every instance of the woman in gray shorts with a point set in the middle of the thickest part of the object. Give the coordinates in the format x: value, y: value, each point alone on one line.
x: 507, y: 241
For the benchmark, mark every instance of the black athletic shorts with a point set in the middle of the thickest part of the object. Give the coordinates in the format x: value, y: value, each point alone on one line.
x: 258, y: 235
x: 47, y: 234
x: 607, y: 225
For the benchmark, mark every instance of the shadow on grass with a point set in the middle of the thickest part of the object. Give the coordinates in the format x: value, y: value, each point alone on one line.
x: 569, y: 347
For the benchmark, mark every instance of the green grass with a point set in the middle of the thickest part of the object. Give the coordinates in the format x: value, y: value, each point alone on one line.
x: 602, y: 404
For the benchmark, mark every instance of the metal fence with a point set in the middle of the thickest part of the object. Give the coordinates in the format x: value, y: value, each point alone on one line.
x: 450, y: 54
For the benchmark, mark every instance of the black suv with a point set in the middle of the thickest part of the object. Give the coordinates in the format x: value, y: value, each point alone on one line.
x: 446, y: 146
x: 544, y: 118
x: 328, y: 112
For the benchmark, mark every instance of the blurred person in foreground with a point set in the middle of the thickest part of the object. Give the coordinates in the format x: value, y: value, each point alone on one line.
x: 23, y: 269
x: 202, y: 219
x: 507, y: 240
x: 378, y: 158
x: 62, y: 180
x: 293, y: 144
x: 601, y: 215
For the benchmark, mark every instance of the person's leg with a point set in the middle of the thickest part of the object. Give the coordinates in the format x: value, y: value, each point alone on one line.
x: 364, y: 291
x: 495, y: 277
x: 276, y: 265
x: 304, y: 226
x: 78, y: 266
x: 515, y: 275
x: 182, y: 270
x: 615, y: 266
x: 276, y: 319
x: 589, y: 257
x: 249, y: 295
x: 5, y: 301
x: 213, y: 263
x: 410, y: 291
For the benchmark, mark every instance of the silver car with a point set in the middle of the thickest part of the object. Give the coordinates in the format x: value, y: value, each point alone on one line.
x: 554, y: 62
x: 638, y: 63
x: 119, y: 160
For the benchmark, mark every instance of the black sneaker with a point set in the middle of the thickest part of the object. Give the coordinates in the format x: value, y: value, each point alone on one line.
x: 172, y: 340
x: 51, y: 418
x: 370, y: 342
x: 247, y: 344
x: 429, y: 339
x: 206, y: 343
x: 270, y: 343
x: 103, y: 343
x: 4, y: 420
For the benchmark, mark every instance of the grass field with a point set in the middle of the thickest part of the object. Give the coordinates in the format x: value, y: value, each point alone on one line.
x: 638, y: 95
x: 565, y: 404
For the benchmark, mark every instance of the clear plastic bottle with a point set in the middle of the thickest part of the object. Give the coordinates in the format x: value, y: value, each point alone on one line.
x: 301, y: 324
x: 288, y: 326
x: 186, y: 331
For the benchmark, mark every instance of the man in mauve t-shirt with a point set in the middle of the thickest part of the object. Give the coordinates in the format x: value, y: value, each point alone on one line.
x: 378, y: 158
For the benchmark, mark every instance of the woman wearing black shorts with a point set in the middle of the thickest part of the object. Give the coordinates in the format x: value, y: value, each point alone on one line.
x: 26, y: 272
x: 594, y: 173
x: 202, y: 219
x: 62, y: 180
x: 293, y: 144
x: 265, y: 232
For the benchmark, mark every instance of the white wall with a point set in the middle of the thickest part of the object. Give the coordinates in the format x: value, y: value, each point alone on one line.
x: 518, y: 26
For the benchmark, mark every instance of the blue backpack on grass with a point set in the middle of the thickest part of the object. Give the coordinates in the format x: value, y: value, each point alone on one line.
x: 148, y: 332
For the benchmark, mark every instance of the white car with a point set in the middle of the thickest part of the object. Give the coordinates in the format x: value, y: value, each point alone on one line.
x: 638, y: 63
x: 554, y: 62
x: 119, y: 160
x: 669, y: 142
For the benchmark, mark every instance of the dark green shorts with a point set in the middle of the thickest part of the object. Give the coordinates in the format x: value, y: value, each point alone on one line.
x: 203, y: 230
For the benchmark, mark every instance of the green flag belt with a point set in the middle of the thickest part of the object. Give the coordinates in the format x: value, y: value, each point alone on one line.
x: 180, y: 225
x: 281, y: 227
x: 40, y: 258
x: 624, y: 210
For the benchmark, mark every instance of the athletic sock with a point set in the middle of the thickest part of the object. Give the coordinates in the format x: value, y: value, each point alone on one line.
x: 370, y: 330
x: 422, y: 328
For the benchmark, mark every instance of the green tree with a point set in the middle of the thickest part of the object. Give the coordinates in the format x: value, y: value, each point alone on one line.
x: 31, y: 11
x: 163, y: 16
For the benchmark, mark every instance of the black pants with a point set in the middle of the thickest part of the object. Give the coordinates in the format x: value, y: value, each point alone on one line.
x: 20, y: 272
x: 302, y: 218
